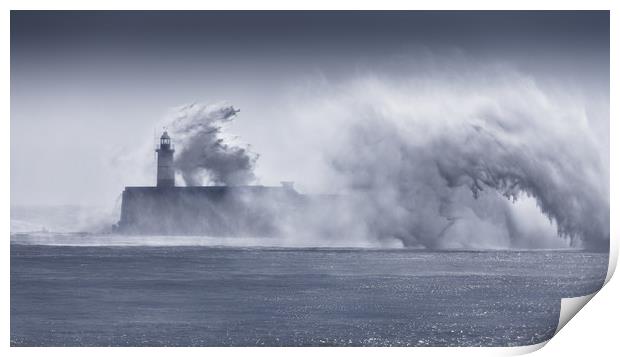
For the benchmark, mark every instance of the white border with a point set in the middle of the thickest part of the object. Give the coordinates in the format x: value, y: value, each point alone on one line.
x: 604, y: 321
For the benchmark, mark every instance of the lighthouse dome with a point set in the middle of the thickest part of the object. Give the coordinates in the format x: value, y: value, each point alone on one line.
x: 165, y: 135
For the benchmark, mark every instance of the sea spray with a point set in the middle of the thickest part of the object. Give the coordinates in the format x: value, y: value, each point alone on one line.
x: 438, y: 159
x: 203, y: 156
x: 474, y: 158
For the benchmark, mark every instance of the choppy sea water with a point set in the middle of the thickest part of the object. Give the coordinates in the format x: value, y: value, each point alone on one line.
x: 216, y: 296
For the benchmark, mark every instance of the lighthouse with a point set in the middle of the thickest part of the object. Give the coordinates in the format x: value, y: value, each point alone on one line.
x: 165, y: 168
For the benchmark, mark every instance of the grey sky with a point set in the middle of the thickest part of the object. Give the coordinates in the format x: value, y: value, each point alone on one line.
x: 86, y: 86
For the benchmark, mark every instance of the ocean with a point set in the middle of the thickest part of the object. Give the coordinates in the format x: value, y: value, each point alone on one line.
x: 233, y: 296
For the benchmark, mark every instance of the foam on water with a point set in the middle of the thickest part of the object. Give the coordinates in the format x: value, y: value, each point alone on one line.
x: 94, y: 239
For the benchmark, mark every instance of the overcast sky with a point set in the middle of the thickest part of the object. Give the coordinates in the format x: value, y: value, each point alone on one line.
x: 88, y: 85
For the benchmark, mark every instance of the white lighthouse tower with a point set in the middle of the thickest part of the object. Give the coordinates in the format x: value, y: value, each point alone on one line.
x: 165, y: 168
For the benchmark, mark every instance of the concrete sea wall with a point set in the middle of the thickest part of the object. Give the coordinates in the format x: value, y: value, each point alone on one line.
x: 210, y: 210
